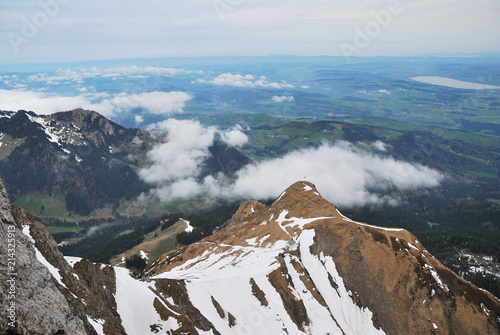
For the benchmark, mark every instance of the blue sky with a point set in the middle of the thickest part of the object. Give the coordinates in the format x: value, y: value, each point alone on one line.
x: 76, y: 30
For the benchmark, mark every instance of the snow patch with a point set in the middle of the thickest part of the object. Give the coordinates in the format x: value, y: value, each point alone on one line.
x: 263, y: 239
x: 72, y: 260
x: 294, y: 222
x: 252, y: 241
x: 281, y: 195
x: 144, y: 255
x: 97, y: 324
x: 350, y: 317
x: 134, y: 302
x: 322, y: 322
x: 52, y: 269
x: 307, y: 188
x: 227, y: 261
x: 367, y: 225
x: 189, y: 228
x: 251, y: 317
x: 413, y: 247
x: 485, y: 310
x: 436, y: 277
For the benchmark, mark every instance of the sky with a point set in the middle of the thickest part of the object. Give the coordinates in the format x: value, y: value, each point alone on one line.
x: 55, y: 31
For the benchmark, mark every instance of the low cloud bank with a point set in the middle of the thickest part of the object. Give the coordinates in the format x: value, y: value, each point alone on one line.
x: 283, y: 98
x: 238, y: 80
x: 343, y: 173
x: 79, y: 75
x: 43, y: 103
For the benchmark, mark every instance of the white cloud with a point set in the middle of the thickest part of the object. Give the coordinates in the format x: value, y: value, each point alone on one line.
x: 283, y: 98
x: 80, y: 74
x: 180, y: 157
x: 234, y: 137
x: 44, y: 103
x: 178, y: 160
x: 155, y: 102
x: 343, y: 173
x: 380, y: 146
x: 248, y: 80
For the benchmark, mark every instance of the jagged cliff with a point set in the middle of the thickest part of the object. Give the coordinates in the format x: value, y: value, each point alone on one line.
x: 40, y: 293
x: 297, y: 266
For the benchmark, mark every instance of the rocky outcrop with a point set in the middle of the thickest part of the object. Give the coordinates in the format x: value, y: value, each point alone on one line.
x: 45, y: 295
x: 31, y: 299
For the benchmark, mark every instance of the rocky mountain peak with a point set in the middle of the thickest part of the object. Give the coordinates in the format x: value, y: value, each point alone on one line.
x: 368, y: 279
x: 302, y: 199
x: 87, y: 120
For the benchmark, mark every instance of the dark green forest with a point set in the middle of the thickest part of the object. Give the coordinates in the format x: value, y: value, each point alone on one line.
x: 102, y: 243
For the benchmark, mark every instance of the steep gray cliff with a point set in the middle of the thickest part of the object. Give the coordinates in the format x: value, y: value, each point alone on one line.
x: 31, y: 300
x: 40, y: 293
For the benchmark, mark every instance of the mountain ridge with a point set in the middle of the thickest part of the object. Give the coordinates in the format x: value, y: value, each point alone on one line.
x: 296, y: 267
x: 355, y: 263
x: 89, y: 159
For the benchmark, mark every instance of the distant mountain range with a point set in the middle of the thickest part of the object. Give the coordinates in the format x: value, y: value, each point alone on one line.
x: 89, y: 159
x: 297, y: 266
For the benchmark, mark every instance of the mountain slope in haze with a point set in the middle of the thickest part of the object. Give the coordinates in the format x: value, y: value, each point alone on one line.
x: 79, y: 153
x: 295, y: 267
x: 82, y: 155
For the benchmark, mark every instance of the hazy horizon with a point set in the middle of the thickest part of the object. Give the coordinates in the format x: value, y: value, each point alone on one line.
x: 64, y: 31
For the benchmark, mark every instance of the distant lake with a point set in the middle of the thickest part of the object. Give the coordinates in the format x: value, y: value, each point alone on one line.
x: 448, y: 82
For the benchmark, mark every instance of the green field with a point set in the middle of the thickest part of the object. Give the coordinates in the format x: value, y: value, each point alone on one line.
x: 395, y: 128
x: 58, y: 229
x: 53, y: 206
x: 155, y: 243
